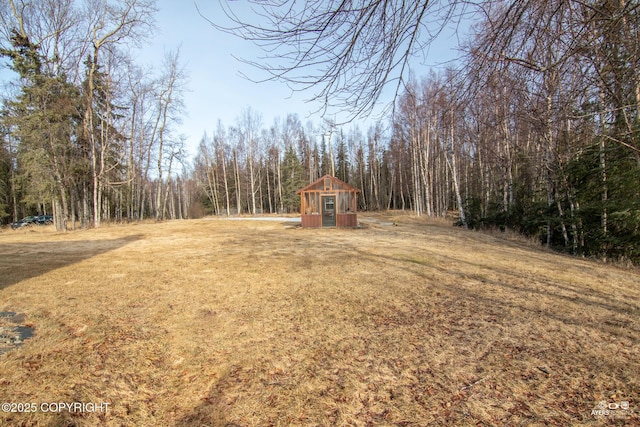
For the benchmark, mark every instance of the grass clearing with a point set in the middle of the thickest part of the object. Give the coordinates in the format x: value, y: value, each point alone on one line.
x: 250, y: 323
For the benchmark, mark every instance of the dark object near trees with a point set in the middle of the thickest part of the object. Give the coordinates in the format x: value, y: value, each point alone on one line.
x: 31, y: 220
x: 44, y: 219
x: 24, y: 222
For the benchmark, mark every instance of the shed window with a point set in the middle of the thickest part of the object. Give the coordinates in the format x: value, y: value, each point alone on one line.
x: 312, y: 203
x: 344, y: 202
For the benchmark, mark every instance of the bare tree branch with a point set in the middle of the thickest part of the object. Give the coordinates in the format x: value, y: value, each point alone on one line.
x: 346, y: 51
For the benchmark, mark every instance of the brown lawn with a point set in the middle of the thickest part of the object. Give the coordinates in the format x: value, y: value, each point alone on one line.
x: 251, y: 323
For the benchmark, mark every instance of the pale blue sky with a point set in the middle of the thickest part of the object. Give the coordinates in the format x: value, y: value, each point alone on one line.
x: 216, y: 89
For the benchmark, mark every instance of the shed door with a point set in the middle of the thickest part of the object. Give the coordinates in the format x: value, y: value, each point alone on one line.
x: 329, y: 211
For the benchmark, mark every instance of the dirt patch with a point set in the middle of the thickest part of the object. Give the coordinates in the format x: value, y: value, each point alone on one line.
x: 251, y: 323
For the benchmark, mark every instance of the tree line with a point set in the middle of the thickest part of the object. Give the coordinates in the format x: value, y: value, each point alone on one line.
x: 536, y: 129
x: 86, y: 133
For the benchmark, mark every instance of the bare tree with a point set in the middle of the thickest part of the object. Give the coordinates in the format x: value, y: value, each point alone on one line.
x: 205, y: 170
x: 347, y: 51
x: 249, y: 127
x: 110, y: 24
x: 219, y: 141
x: 170, y: 104
x: 140, y: 96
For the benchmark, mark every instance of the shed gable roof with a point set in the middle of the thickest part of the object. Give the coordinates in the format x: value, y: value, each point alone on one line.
x: 336, y: 184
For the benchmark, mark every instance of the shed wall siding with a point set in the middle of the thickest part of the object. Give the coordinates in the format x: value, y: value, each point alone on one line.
x: 347, y: 220
x: 312, y: 221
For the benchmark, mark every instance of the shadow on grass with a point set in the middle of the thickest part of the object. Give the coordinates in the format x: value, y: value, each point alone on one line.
x: 584, y: 297
x: 21, y: 261
x: 571, y: 304
x: 211, y: 412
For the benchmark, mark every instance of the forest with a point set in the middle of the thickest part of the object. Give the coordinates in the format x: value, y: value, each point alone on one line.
x: 535, y: 129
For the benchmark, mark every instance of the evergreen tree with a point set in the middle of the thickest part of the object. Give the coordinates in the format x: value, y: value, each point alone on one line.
x: 43, y: 118
x: 292, y: 180
x: 325, y: 161
x: 342, y: 159
x: 622, y: 205
x: 5, y: 182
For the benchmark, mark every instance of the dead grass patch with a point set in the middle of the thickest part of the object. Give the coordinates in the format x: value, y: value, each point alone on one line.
x: 232, y: 323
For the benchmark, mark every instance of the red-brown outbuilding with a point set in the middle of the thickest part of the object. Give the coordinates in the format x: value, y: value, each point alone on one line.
x: 328, y: 202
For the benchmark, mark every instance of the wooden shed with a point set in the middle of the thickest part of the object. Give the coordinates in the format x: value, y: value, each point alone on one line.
x: 328, y: 202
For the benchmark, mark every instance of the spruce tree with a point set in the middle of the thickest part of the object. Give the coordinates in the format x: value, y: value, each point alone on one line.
x: 292, y: 180
x: 43, y: 119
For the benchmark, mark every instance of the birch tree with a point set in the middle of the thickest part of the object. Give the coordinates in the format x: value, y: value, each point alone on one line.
x: 249, y: 125
x: 110, y: 23
x: 170, y: 87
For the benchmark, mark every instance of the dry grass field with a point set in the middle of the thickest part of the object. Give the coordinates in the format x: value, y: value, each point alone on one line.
x: 260, y: 323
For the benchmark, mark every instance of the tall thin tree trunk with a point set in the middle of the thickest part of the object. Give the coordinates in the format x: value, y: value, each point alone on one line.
x: 454, y: 174
x: 90, y: 137
x: 237, y: 181
x: 269, y: 190
x: 279, y: 174
x: 226, y: 182
x: 603, y: 166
